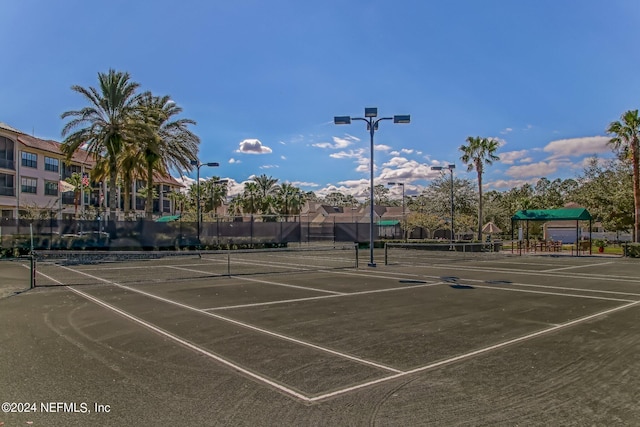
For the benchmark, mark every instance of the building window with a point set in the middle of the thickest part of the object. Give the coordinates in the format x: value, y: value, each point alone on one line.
x: 29, y: 160
x: 28, y: 185
x: 6, y: 153
x: 7, y: 187
x: 51, y: 188
x: 69, y: 170
x: 51, y: 164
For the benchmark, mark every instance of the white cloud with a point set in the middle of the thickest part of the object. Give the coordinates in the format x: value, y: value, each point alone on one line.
x: 502, y: 184
x: 253, y: 146
x: 357, y: 154
x: 506, y: 131
x: 576, y: 147
x: 538, y: 169
x: 510, y: 157
x: 233, y: 161
x: 400, y: 168
x: 269, y: 166
x: 406, y: 151
x: 338, y: 143
x: 304, y: 184
x: 381, y: 147
x: 283, y: 157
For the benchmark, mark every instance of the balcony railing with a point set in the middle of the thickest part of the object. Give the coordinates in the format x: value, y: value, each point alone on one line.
x: 7, y: 164
x: 7, y: 191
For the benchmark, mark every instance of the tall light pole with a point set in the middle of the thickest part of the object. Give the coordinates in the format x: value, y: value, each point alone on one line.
x: 400, y: 184
x: 198, y: 165
x: 370, y: 115
x: 451, y: 167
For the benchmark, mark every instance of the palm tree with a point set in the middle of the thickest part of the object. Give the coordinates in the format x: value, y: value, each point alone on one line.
x: 169, y: 143
x: 626, y: 133
x: 250, y: 197
x: 476, y: 154
x: 268, y: 188
x: 105, y: 126
x: 76, y: 180
x: 289, y: 200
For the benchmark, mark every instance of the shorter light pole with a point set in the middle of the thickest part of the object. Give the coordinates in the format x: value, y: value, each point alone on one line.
x: 400, y: 184
x: 198, y: 165
x: 451, y: 167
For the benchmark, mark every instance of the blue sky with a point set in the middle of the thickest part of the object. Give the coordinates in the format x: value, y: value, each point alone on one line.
x: 263, y: 80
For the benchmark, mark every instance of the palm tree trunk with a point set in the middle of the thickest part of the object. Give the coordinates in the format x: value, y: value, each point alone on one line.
x: 636, y: 190
x: 479, y: 169
x: 113, y: 188
x: 148, y: 205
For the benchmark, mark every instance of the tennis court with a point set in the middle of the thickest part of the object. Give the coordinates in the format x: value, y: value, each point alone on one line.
x: 314, y: 337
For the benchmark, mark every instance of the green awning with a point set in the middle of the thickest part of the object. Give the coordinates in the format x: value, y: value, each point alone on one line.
x: 569, y: 214
x: 388, y: 222
x: 168, y: 218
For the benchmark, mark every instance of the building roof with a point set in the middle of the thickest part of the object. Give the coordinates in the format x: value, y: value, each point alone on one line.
x: 572, y: 214
x: 5, y: 126
x: 54, y: 147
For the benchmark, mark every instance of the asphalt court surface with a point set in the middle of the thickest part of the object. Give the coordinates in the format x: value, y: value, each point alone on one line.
x: 314, y: 337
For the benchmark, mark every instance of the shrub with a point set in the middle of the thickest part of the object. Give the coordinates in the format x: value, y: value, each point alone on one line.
x: 632, y: 250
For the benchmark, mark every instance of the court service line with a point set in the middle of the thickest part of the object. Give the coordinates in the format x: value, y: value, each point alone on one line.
x: 268, y: 282
x: 475, y: 352
x: 257, y: 304
x: 191, y: 346
x: 587, y: 276
x: 242, y: 324
x: 575, y: 266
x: 261, y: 281
x: 564, y: 288
x: 553, y: 293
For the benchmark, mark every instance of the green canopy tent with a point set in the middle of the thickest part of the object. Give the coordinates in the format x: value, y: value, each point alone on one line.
x: 545, y: 215
x: 168, y: 218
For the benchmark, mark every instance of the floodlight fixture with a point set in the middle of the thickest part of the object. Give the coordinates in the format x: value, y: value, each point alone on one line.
x: 370, y: 114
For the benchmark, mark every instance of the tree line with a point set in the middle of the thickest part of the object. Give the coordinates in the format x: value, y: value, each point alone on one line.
x: 132, y: 134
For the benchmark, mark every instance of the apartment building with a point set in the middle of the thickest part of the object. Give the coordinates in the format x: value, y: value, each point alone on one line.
x: 32, y: 176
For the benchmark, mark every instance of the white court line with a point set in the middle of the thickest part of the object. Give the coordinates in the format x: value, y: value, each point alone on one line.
x: 474, y: 353
x: 586, y: 276
x: 552, y: 293
x: 193, y: 347
x: 257, y: 304
x: 575, y: 266
x: 242, y: 324
x: 462, y: 279
x: 256, y: 280
x: 369, y: 383
x: 268, y: 282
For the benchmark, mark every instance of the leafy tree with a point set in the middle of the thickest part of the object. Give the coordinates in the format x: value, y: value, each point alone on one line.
x: 626, y: 133
x: 476, y: 154
x: 606, y: 191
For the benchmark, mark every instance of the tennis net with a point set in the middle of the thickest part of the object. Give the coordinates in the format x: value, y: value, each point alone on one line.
x: 431, y: 253
x: 58, y: 268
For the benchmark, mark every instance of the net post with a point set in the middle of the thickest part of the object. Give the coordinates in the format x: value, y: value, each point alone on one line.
x: 386, y: 258
x: 229, y: 260
x: 355, y: 245
x: 32, y: 270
